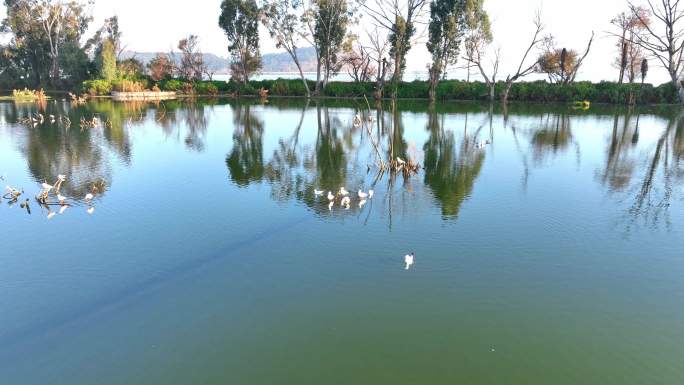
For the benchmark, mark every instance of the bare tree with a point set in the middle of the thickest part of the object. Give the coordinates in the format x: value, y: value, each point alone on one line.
x: 560, y: 64
x: 378, y: 50
x: 399, y: 19
x: 628, y: 25
x: 525, y: 68
x: 664, y: 38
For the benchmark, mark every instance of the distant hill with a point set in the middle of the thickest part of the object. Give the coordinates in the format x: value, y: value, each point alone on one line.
x: 272, y: 62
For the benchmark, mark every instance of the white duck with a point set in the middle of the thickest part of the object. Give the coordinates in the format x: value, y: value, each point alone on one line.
x: 362, y: 195
x: 61, y: 199
x: 343, y: 191
x: 331, y: 197
x: 318, y: 192
x: 408, y: 259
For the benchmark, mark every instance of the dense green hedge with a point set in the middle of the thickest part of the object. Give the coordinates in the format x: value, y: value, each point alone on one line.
x: 537, y: 91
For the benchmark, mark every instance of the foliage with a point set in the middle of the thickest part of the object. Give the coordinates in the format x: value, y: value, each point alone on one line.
x: 239, y: 21
x: 161, y: 67
x: 107, y: 61
x: 191, y: 65
x: 97, y: 87
x: 126, y: 85
x: 38, y: 32
x: 446, y: 28
x: 27, y: 94
x: 131, y: 69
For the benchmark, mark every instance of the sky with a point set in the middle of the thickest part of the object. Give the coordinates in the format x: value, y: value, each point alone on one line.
x: 156, y: 25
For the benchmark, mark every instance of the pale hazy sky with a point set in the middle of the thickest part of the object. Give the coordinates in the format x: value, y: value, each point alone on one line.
x: 156, y: 25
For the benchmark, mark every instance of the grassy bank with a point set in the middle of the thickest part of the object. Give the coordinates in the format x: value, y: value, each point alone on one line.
x: 537, y: 91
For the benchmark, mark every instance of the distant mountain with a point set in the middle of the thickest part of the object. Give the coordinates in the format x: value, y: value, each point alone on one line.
x: 272, y: 62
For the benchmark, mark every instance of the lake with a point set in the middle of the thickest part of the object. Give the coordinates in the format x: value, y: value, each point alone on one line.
x: 552, y: 255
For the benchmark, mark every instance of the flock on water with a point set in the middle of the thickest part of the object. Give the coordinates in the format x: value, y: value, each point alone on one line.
x: 50, y: 197
x: 344, y: 197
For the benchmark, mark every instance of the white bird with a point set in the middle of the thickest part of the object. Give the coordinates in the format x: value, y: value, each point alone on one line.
x: 52, y: 118
x: 343, y: 191
x: 61, y: 198
x: 362, y: 203
x: 46, y: 186
x: 370, y: 194
x: 345, y: 201
x: 61, y: 177
x: 63, y: 209
x: 318, y: 192
x: 331, y: 197
x: 89, y: 197
x: 91, y: 210
x: 408, y: 259
x: 363, y: 195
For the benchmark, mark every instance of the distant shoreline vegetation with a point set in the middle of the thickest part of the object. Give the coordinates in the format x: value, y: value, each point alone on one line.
x: 534, y: 91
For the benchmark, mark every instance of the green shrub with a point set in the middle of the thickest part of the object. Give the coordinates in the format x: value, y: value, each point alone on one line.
x: 97, y: 87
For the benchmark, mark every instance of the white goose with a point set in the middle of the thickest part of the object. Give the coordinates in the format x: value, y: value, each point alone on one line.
x: 363, y: 195
x: 331, y: 197
x: 343, y: 191
x: 408, y: 259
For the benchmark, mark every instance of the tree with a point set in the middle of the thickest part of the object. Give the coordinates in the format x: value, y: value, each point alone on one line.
x: 327, y: 21
x: 357, y: 59
x: 240, y: 21
x: 628, y: 26
x: 107, y: 61
x: 161, y: 67
x: 447, y: 25
x: 399, y: 19
x: 39, y: 29
x: 560, y: 64
x: 283, y: 20
x: 524, y: 68
x: 478, y: 38
x: 663, y: 38
x: 191, y: 65
x: 130, y: 68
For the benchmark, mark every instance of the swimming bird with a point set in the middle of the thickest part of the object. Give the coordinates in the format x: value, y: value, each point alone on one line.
x: 363, y: 195
x: 61, y: 199
x: 370, y: 194
x: 89, y: 197
x: 46, y: 186
x: 408, y: 259
x: 91, y: 210
x: 61, y: 177
x: 357, y: 120
x: 331, y: 197
x: 343, y: 191
x: 318, y: 192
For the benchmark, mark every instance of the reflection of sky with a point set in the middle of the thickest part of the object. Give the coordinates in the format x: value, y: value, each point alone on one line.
x: 176, y: 252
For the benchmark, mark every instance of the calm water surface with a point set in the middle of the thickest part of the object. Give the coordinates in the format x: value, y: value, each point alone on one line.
x: 552, y: 256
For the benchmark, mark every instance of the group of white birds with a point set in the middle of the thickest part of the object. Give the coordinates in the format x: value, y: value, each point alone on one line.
x: 43, y: 197
x: 345, y: 199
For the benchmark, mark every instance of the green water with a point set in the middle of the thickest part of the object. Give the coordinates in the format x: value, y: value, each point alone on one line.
x: 553, y: 255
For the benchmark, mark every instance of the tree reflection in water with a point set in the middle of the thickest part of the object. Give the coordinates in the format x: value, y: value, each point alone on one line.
x: 451, y: 167
x: 246, y: 160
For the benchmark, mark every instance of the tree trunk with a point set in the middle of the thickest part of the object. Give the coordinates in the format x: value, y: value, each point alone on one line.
x: 507, y: 89
x: 318, y: 77
x: 434, y: 82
